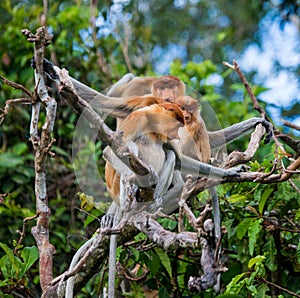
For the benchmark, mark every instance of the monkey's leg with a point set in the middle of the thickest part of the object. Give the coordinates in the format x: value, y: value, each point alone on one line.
x: 216, y: 209
x: 166, y: 175
x: 219, y: 138
x: 172, y: 195
x: 139, y: 180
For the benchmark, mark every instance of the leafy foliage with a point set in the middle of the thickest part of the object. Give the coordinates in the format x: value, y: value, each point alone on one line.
x: 93, y: 44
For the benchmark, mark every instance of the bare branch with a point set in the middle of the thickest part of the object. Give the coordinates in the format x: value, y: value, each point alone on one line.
x: 237, y: 157
x: 290, y: 124
x: 11, y: 102
x: 279, y: 287
x: 42, y: 145
x: 17, y: 86
x: 22, y: 233
x: 256, y: 105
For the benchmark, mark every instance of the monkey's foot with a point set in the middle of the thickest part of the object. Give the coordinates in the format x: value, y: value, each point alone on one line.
x: 241, y: 168
x: 107, y: 221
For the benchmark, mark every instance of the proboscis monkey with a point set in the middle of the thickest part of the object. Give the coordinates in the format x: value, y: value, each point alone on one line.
x: 129, y: 85
x: 194, y: 140
x: 149, y: 128
x: 120, y: 107
x: 166, y: 87
x: 138, y: 92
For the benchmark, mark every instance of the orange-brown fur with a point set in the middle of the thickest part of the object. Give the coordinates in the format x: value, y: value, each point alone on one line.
x: 194, y: 139
x: 149, y: 128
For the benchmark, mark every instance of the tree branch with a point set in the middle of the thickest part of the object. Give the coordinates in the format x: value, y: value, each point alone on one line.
x: 42, y: 145
x: 243, y: 79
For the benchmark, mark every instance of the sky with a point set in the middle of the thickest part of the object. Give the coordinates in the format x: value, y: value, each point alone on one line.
x: 281, y: 45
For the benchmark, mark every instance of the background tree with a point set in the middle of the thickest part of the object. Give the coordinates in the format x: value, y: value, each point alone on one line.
x: 98, y: 42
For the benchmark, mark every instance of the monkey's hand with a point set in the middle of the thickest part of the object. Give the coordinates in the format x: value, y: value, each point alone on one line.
x: 48, y: 68
x: 269, y: 130
x: 111, y: 217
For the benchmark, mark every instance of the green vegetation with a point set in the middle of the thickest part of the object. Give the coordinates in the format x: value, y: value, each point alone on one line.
x: 262, y: 244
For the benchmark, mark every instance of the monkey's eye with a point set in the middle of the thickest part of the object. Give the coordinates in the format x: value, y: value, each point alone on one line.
x: 182, y: 108
x: 161, y: 88
x: 167, y: 100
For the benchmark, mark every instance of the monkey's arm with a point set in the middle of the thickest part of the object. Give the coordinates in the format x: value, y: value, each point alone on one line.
x: 221, y: 137
x: 195, y: 168
x: 114, y: 106
x: 141, y: 180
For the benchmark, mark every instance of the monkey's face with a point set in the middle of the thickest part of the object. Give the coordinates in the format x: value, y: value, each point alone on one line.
x: 188, y: 106
x: 187, y: 116
x: 166, y: 93
x: 168, y: 88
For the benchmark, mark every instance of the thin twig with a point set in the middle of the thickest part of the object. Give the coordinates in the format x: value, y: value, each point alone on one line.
x: 290, y: 124
x: 16, y: 86
x: 294, y: 185
x: 279, y: 287
x: 256, y: 105
x: 22, y: 233
x: 11, y: 102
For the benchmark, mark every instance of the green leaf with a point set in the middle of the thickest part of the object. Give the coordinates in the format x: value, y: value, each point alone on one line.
x: 9, y: 160
x: 266, y: 194
x: 253, y: 230
x: 19, y: 179
x: 236, y: 284
x: 261, y: 291
x: 29, y: 255
x: 12, y: 259
x: 163, y: 293
x: 20, y: 148
x: 258, y: 260
x: 135, y: 253
x: 164, y: 260
x: 270, y: 252
x: 89, y: 220
x: 243, y: 226
x: 3, y: 267
x: 229, y: 296
x: 59, y: 151
x: 236, y: 198
x: 153, y: 263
